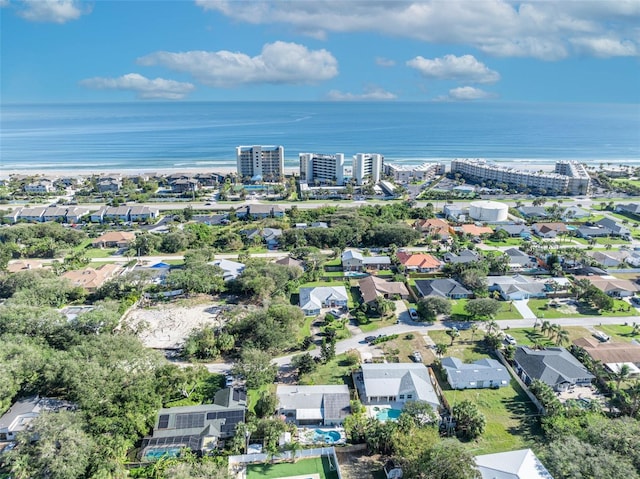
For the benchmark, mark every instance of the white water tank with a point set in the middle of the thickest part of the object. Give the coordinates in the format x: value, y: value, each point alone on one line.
x: 490, y: 211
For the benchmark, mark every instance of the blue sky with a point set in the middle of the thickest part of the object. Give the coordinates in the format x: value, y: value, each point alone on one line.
x: 303, y: 50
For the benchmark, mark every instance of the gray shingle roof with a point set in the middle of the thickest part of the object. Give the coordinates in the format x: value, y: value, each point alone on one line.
x: 460, y: 374
x: 551, y: 365
x: 441, y: 287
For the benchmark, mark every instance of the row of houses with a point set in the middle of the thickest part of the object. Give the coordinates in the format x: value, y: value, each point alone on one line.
x: 40, y: 214
x: 135, y: 213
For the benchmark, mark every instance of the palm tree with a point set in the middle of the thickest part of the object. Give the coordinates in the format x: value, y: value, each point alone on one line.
x: 546, y: 327
x: 562, y: 336
x: 553, y: 332
x: 441, y: 349
x: 580, y: 286
x: 492, y: 326
x: 622, y: 374
x: 453, y: 333
x: 474, y: 330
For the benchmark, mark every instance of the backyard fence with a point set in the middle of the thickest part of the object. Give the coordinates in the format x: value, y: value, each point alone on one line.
x: 524, y: 387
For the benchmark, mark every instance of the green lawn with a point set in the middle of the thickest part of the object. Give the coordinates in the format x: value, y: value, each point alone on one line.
x: 305, y: 329
x: 620, y: 308
x: 510, y: 417
x: 505, y: 242
x: 99, y: 252
x: 300, y: 468
x: 508, y: 311
x: 336, y: 371
x: 619, y: 332
x: 530, y: 336
x: 254, y: 394
x: 377, y: 323
x: 315, y: 284
x: 468, y: 346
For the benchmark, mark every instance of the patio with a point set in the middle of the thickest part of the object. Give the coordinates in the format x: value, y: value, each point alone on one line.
x: 585, y: 394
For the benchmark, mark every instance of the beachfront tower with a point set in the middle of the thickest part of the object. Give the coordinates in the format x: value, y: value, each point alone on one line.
x: 260, y: 162
x: 323, y: 169
x: 367, y: 166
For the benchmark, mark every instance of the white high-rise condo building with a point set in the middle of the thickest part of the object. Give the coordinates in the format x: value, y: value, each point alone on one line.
x: 266, y: 162
x: 325, y: 169
x: 569, y: 177
x: 367, y: 166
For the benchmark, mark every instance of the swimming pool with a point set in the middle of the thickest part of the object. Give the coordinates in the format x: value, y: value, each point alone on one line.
x: 388, y: 414
x: 329, y: 437
x: 157, y: 453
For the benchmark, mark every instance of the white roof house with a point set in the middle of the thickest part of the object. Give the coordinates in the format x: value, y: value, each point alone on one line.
x: 312, y: 300
x: 397, y: 383
x: 230, y: 269
x: 321, y: 404
x: 521, y: 464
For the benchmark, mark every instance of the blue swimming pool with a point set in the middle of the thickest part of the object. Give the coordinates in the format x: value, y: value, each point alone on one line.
x: 157, y: 453
x: 388, y: 414
x: 329, y: 437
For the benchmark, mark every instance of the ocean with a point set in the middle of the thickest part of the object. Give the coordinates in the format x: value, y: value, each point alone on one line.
x: 148, y: 136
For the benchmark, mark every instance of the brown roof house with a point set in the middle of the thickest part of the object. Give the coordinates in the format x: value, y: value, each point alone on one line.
x: 421, y: 262
x: 614, y: 287
x: 373, y: 287
x: 612, y: 354
x: 549, y: 230
x: 90, y: 278
x: 433, y: 226
x: 114, y: 239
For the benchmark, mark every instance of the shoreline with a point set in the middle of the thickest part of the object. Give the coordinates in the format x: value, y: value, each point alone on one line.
x: 526, y: 165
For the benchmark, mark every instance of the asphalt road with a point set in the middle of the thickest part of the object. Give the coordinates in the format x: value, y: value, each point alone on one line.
x: 407, y: 326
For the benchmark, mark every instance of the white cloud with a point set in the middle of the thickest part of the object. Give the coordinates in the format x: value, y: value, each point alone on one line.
x: 605, y: 47
x: 4, y: 3
x: 385, y: 62
x: 466, y: 93
x: 279, y: 62
x: 158, y: 88
x: 369, y: 94
x: 53, y: 11
x: 540, y: 29
x: 451, y: 67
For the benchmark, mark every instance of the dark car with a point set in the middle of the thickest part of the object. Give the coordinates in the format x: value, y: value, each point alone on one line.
x: 368, y: 339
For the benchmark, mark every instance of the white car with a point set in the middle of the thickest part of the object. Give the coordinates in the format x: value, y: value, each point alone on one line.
x: 228, y: 381
x: 510, y: 339
x: 413, y: 313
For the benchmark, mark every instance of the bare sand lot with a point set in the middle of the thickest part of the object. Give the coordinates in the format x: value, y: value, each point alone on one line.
x: 167, y: 325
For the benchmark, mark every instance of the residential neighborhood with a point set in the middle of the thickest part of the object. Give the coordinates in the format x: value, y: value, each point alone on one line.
x: 266, y: 333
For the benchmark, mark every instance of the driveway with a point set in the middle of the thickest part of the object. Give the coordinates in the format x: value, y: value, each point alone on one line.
x: 523, y: 308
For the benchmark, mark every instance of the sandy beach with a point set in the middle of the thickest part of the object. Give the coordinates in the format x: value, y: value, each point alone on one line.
x: 57, y: 173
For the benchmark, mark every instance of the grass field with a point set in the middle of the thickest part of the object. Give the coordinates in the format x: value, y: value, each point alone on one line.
x: 508, y: 311
x: 377, y: 323
x: 510, y: 417
x: 529, y: 336
x: 301, y: 468
x: 505, y: 242
x: 620, y: 332
x: 468, y: 346
x: 402, y: 347
x: 336, y: 371
x: 538, y: 306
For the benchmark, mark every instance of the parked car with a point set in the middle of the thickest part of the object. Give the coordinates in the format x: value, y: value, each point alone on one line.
x: 510, y: 339
x: 601, y: 336
x: 416, y: 357
x: 336, y: 313
x: 368, y: 339
x: 413, y: 313
x: 228, y: 381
